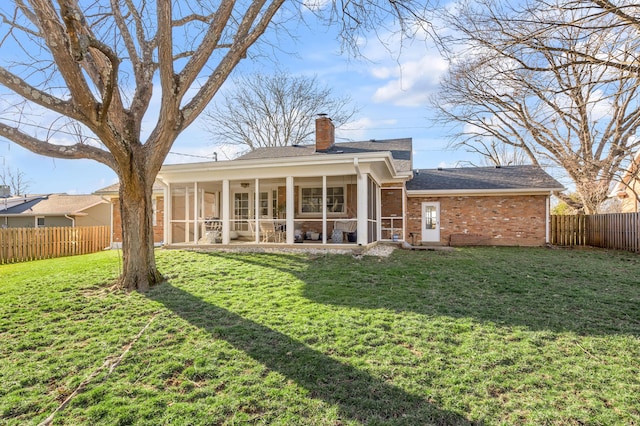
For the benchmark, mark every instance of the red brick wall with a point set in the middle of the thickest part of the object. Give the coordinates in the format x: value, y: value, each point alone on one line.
x: 158, y: 230
x: 518, y: 220
x: 391, y: 202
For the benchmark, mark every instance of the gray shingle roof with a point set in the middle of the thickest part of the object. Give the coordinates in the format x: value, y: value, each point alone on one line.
x: 400, y: 151
x: 482, y: 178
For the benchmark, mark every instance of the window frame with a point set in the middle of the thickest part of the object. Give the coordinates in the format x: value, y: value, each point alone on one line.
x: 301, y: 203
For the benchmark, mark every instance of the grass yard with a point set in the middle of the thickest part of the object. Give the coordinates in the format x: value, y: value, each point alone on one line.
x: 475, y: 336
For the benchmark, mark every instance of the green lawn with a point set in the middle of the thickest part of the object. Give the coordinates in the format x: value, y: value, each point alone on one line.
x: 474, y: 336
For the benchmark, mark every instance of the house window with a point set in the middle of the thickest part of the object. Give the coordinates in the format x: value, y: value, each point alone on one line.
x: 40, y: 222
x: 311, y: 200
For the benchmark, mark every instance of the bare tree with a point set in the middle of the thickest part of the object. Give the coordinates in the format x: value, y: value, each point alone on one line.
x: 518, y: 83
x: 79, y: 77
x: 493, y: 153
x: 274, y: 110
x: 15, y: 179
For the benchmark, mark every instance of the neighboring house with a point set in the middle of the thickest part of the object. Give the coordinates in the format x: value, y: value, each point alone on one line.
x: 54, y: 210
x: 370, y: 191
x: 9, y: 201
x: 628, y: 189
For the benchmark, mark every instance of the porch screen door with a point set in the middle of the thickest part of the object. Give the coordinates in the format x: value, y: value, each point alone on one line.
x: 431, y: 222
x: 241, y: 210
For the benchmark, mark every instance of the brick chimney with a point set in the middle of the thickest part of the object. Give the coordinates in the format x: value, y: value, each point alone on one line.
x: 325, y: 133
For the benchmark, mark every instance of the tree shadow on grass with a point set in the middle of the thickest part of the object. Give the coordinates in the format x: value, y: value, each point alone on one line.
x: 494, y: 290
x: 358, y: 395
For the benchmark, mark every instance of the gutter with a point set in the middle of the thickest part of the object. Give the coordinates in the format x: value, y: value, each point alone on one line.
x: 488, y: 192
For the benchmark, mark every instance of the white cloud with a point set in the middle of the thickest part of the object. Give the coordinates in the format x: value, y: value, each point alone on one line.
x: 412, y: 83
x: 360, y: 129
x: 406, y: 72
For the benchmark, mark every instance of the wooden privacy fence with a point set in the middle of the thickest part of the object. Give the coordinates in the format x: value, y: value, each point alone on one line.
x: 24, y: 244
x: 619, y: 231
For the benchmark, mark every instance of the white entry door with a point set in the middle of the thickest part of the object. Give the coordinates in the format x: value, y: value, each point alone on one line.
x: 431, y: 222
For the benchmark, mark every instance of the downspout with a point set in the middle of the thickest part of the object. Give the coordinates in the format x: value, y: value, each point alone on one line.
x: 73, y: 221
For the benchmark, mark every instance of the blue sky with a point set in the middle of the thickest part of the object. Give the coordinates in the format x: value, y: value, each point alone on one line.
x: 390, y: 88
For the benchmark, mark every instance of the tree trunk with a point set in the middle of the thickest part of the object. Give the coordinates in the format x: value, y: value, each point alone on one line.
x: 136, y: 210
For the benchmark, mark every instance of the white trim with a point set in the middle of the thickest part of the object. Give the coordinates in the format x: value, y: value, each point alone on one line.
x: 324, y: 210
x: 168, y: 214
x: 196, y: 213
x: 378, y: 213
x: 272, y: 167
x: 256, y: 210
x: 362, y: 235
x: 290, y: 215
x: 404, y: 212
x: 226, y: 211
x: 436, y: 231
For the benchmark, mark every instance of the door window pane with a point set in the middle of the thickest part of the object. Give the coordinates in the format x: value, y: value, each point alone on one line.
x: 264, y: 204
x: 430, y: 217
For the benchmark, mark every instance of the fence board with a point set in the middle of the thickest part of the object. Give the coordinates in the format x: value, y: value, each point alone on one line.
x: 620, y: 231
x: 25, y: 244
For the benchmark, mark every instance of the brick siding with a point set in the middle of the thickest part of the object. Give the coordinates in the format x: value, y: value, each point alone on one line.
x: 518, y: 220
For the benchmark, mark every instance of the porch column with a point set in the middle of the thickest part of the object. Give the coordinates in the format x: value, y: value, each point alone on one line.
x: 290, y: 210
x: 165, y: 215
x: 168, y: 215
x: 256, y: 212
x: 226, y: 212
x: 324, y: 209
x: 404, y: 212
x: 196, y: 214
x: 363, y: 209
x: 378, y: 208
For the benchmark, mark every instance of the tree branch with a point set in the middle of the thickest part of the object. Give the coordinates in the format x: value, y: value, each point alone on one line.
x: 43, y: 147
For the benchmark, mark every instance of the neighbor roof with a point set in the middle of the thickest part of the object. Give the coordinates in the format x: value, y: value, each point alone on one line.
x: 400, y: 150
x: 483, y: 178
x: 55, y: 204
x: 113, y: 189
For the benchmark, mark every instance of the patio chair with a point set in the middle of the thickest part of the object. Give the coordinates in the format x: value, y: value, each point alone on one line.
x: 269, y: 231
